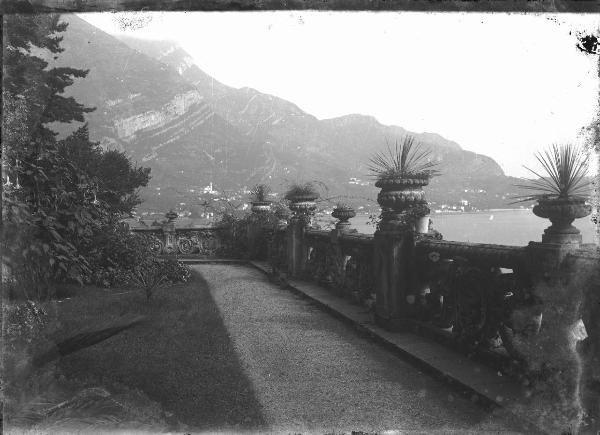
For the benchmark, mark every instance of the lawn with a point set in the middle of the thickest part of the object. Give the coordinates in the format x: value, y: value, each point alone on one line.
x: 180, y: 358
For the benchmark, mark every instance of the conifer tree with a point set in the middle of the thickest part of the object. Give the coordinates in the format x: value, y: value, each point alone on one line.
x: 51, y: 206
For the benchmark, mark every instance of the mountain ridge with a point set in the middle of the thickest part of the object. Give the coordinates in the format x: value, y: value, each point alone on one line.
x: 177, y: 57
x: 192, y: 130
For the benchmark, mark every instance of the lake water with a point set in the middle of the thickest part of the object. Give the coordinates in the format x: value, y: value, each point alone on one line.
x: 505, y: 227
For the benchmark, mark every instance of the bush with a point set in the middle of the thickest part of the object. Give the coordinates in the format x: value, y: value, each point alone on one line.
x: 175, y: 271
x: 117, y: 251
x: 154, y: 273
x: 247, y: 236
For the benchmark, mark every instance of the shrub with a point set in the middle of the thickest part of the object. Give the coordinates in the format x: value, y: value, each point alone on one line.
x: 116, y: 252
x: 247, y: 236
x: 155, y: 273
x: 176, y: 271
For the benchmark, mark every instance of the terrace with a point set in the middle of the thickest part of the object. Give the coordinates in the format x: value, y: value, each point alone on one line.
x: 513, y: 327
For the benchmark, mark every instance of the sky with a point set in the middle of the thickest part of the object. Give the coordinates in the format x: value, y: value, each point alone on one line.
x: 504, y: 85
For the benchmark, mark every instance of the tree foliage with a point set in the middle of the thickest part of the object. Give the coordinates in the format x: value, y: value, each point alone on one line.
x: 57, y: 195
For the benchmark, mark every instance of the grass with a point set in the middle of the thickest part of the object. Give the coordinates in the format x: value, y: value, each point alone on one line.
x: 180, y: 357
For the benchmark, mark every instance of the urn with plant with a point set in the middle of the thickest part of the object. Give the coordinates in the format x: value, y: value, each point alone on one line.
x: 259, y: 197
x: 343, y: 212
x: 401, y: 173
x: 561, y: 191
x: 302, y: 198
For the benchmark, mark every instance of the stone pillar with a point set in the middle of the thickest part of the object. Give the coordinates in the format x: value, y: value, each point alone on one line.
x: 257, y: 231
x: 589, y: 348
x: 297, y: 249
x: 169, y: 233
x: 558, y: 287
x: 393, y: 268
x: 394, y: 248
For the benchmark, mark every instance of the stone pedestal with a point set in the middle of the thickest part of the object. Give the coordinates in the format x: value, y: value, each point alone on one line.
x: 296, y: 247
x: 297, y: 250
x: 170, y: 236
x: 558, y: 288
x: 393, y: 271
x: 257, y: 231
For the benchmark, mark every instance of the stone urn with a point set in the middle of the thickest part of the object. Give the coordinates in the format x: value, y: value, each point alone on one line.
x: 562, y: 212
x: 303, y: 204
x: 397, y: 195
x: 261, y: 206
x: 343, y: 214
x: 171, y: 216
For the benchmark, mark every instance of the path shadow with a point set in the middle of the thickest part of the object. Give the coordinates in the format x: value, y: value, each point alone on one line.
x: 182, y: 358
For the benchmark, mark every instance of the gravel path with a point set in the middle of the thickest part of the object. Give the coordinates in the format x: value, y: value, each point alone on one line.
x: 313, y: 373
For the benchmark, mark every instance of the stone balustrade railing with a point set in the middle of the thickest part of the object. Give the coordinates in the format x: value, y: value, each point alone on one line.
x: 504, y: 256
x: 516, y: 307
x: 341, y: 261
x: 206, y: 242
x: 464, y: 292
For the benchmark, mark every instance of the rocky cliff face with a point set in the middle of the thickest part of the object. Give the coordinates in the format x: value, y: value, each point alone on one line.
x: 156, y: 104
x: 179, y: 105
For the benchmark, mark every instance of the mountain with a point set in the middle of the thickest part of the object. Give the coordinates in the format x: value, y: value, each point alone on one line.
x: 153, y: 102
x: 266, y: 117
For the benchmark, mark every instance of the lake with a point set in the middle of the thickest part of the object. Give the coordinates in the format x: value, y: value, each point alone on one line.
x: 505, y: 227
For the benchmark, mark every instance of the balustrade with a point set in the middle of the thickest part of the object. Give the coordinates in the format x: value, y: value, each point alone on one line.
x: 206, y: 242
x: 511, y: 305
x: 341, y: 261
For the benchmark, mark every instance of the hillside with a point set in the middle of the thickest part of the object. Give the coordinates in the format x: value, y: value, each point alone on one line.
x: 153, y: 102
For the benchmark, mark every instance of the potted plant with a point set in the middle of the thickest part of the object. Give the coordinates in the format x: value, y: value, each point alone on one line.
x: 259, y: 197
x: 561, y: 192
x: 343, y: 212
x: 302, y: 197
x: 401, y: 173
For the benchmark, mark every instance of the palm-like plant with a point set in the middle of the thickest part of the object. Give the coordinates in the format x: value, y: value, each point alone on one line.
x: 260, y: 193
x: 566, y: 168
x: 149, y: 276
x: 406, y: 159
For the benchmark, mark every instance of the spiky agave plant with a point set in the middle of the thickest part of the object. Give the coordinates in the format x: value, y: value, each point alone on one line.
x: 566, y: 167
x: 405, y: 159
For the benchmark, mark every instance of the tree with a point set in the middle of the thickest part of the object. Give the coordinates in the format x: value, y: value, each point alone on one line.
x: 115, y: 177
x: 51, y: 210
